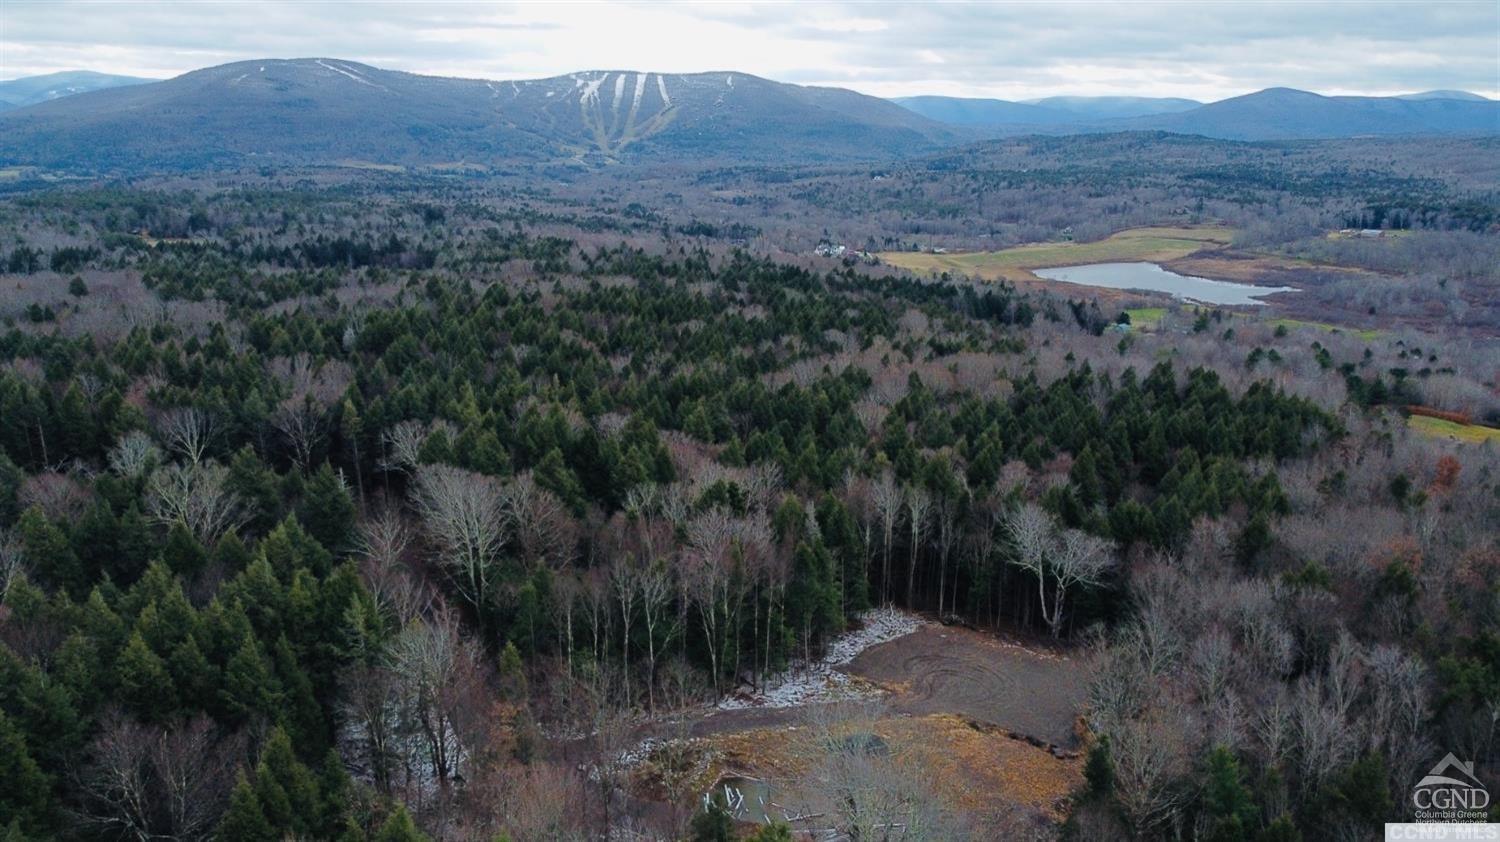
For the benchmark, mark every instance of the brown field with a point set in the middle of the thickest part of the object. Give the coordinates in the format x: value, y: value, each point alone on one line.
x: 1014, y: 264
x: 984, y: 723
x: 969, y: 765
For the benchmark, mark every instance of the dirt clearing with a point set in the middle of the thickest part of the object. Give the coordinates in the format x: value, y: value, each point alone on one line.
x: 950, y: 669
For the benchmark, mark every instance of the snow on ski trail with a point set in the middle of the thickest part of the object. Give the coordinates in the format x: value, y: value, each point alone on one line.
x: 347, y: 72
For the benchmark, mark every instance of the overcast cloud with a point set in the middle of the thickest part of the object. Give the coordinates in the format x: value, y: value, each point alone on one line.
x: 1012, y: 50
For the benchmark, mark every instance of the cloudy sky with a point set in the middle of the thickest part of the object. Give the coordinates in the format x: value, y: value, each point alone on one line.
x: 1013, y: 50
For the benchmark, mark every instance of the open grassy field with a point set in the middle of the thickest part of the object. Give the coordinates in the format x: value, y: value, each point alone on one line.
x: 1013, y: 264
x: 1367, y: 334
x: 1439, y: 428
x: 1146, y: 318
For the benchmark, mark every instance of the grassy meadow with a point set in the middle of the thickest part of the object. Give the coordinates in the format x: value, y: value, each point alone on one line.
x: 1440, y: 428
x: 1014, y: 264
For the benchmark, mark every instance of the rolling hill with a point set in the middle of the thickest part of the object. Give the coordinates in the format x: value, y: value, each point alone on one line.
x: 30, y: 90
x: 1272, y: 114
x: 327, y: 110
x: 986, y: 113
x: 1463, y: 95
x: 1114, y: 107
x: 1286, y: 113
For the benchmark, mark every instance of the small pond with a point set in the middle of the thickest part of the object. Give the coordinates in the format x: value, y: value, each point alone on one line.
x: 747, y: 799
x: 1149, y: 276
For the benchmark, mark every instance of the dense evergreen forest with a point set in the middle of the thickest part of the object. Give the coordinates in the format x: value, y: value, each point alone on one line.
x: 372, y: 512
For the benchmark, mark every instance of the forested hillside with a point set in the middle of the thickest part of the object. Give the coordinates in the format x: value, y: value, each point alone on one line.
x: 384, y: 511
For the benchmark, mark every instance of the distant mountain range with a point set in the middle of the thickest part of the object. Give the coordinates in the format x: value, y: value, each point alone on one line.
x: 331, y: 111
x: 1284, y: 113
x: 1272, y: 114
x: 1051, y: 111
x: 1108, y: 107
x: 30, y: 90
x: 1463, y: 95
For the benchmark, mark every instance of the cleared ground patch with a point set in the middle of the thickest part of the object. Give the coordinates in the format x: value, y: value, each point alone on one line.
x: 1013, y: 264
x: 968, y: 764
x: 949, y: 669
x: 978, y: 720
x: 1441, y: 428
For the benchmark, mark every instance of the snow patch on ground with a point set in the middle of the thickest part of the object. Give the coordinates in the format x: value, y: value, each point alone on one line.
x: 349, y: 73
x: 590, y: 92
x: 637, y: 753
x: 820, y: 681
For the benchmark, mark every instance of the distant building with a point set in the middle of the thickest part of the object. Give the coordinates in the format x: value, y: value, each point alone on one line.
x: 827, y: 249
x: 1371, y: 233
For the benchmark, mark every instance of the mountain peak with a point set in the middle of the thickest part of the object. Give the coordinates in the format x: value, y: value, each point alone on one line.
x: 1463, y: 96
x: 327, y: 110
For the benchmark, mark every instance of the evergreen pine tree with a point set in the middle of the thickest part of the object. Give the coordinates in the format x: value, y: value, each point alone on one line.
x: 25, y: 796
x: 286, y: 789
x: 244, y: 821
x: 182, y: 552
x: 398, y: 827
x: 145, y: 685
x: 49, y: 553
x: 1226, y: 799
x: 713, y: 824
x: 327, y: 509
x: 249, y: 687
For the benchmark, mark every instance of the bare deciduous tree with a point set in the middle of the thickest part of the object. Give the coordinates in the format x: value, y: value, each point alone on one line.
x: 11, y: 562
x: 133, y: 455
x: 885, y: 494
x: 464, y: 514
x: 918, y: 509
x: 312, y: 387
x: 369, y: 739
x: 1071, y: 557
x: 381, y: 542
x: 188, y: 431
x: 875, y: 794
x: 441, y: 688
x: 1324, y: 739
x: 709, y: 576
x: 403, y: 446
x: 1149, y: 759
x: 59, y: 495
x: 625, y: 582
x: 656, y: 588
x: 539, y: 520
x: 1212, y: 659
x: 196, y: 495
x: 145, y: 782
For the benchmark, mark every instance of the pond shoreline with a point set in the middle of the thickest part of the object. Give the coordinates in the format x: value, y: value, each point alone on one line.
x: 1147, y: 277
